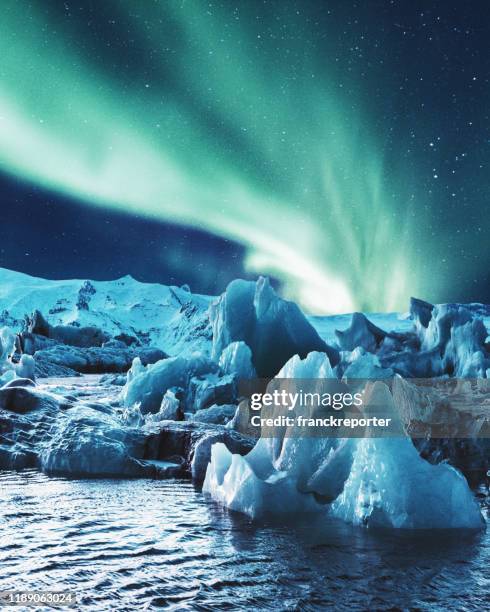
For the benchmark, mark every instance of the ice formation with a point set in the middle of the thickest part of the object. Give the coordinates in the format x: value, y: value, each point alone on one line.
x: 236, y: 358
x: 218, y: 414
x: 390, y: 485
x: 272, y: 328
x: 26, y: 368
x: 361, y: 333
x: 380, y: 482
x: 9, y: 370
x: 360, y: 363
x: 459, y: 338
x: 147, y: 385
x: 98, y: 360
x: 179, y: 415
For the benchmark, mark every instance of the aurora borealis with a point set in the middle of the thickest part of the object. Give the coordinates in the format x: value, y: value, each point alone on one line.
x: 343, y: 145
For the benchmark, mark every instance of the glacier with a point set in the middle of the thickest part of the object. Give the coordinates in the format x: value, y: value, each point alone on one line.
x: 169, y: 403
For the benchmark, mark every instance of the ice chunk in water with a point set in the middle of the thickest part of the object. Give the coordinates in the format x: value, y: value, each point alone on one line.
x: 236, y: 358
x: 380, y: 482
x: 147, y: 385
x: 390, y: 485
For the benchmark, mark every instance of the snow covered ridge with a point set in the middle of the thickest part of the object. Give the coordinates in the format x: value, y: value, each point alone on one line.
x: 166, y: 317
x: 158, y: 315
x: 166, y: 416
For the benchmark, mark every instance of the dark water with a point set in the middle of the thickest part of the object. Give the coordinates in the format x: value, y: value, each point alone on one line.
x: 134, y: 545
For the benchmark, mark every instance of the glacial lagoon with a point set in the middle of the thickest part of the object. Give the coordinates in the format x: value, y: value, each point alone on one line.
x: 148, y: 544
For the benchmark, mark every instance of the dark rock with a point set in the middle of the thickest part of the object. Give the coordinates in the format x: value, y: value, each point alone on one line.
x: 234, y: 442
x: 85, y: 293
x: 19, y: 382
x: 17, y: 460
x: 181, y: 439
x: 117, y: 344
x: 83, y: 337
x: 47, y: 369
x: 21, y: 399
x: 97, y: 360
x: 128, y: 339
x: 30, y: 343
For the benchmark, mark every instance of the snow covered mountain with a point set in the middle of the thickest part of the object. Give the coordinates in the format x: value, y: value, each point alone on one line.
x: 157, y: 315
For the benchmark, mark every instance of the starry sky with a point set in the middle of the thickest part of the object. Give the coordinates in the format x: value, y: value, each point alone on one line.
x: 340, y: 147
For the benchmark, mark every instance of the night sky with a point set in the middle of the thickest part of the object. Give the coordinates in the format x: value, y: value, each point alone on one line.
x: 340, y: 147
x: 101, y: 244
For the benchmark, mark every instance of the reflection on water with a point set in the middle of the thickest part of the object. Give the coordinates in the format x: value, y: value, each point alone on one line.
x: 141, y: 544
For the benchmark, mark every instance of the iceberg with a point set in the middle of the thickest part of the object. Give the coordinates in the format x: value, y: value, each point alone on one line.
x: 390, y: 485
x: 181, y: 411
x: 25, y: 368
x: 361, y: 364
x: 205, y: 390
x: 445, y: 340
x: 361, y: 333
x: 217, y: 414
x: 457, y: 337
x: 376, y: 482
x: 274, y: 329
x: 148, y: 385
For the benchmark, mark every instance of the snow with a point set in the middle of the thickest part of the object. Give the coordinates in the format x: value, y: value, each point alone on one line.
x: 158, y: 315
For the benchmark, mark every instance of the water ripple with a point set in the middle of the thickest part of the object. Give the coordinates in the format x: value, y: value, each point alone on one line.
x: 130, y: 545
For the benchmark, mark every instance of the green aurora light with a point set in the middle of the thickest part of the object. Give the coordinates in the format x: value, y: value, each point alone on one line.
x: 262, y: 148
